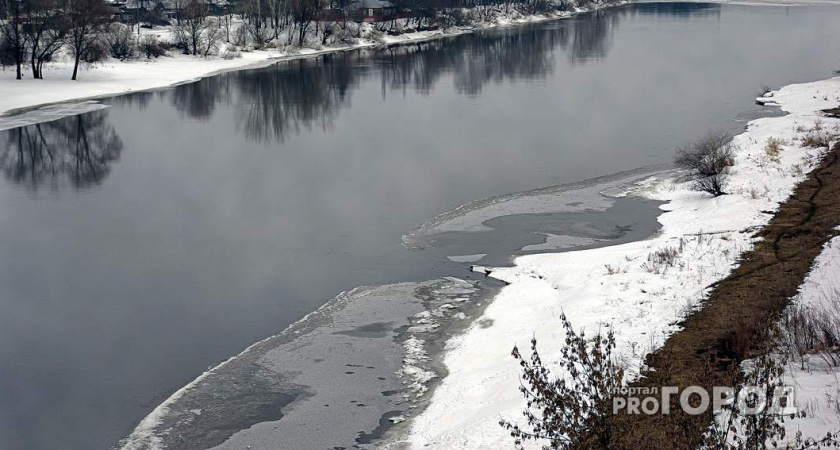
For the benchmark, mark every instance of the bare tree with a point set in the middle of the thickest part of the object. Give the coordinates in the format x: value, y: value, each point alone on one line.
x: 303, y: 13
x: 11, y: 30
x: 196, y: 34
x: 87, y: 20
x: 46, y: 33
x: 706, y: 161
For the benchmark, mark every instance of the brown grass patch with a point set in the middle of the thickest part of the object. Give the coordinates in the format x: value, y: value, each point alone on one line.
x: 733, y: 323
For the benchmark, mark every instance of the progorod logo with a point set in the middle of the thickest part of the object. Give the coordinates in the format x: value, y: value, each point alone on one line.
x: 695, y: 400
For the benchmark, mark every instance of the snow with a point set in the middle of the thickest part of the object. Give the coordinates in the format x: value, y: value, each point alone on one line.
x: 817, y: 383
x: 120, y: 77
x: 621, y: 287
x: 466, y: 258
x: 114, y: 77
x: 559, y: 242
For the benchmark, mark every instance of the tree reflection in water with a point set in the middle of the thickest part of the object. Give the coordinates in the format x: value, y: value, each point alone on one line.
x: 287, y: 98
x: 78, y: 151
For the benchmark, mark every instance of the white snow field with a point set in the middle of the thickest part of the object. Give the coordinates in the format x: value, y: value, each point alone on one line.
x: 621, y: 287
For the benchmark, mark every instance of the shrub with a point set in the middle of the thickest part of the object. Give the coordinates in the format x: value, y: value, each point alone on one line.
x: 738, y: 428
x: 813, y: 330
x: 816, y: 138
x: 98, y: 51
x: 259, y: 35
x: 241, y: 37
x: 166, y: 45
x: 120, y: 42
x: 659, y: 261
x: 230, y: 52
x: 705, y: 162
x: 150, y: 46
x: 571, y: 411
x: 773, y: 148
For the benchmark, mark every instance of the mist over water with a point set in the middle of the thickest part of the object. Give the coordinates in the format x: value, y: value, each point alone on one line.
x: 144, y: 242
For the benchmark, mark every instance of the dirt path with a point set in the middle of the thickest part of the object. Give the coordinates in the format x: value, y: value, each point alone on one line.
x: 734, y: 319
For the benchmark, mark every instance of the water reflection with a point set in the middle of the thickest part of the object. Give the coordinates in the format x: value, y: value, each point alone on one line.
x: 202, y: 241
x: 675, y: 10
x: 593, y: 37
x: 301, y: 95
x: 304, y: 94
x: 198, y: 100
x: 78, y: 150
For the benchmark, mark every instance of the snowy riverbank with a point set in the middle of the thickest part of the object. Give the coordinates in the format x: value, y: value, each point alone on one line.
x: 623, y: 287
x: 114, y: 77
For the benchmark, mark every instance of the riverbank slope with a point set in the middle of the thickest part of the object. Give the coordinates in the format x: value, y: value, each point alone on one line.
x: 641, y: 295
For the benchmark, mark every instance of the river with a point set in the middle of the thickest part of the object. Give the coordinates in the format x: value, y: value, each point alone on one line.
x: 145, y: 242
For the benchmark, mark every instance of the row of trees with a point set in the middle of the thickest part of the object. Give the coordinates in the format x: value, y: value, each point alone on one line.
x: 34, y: 31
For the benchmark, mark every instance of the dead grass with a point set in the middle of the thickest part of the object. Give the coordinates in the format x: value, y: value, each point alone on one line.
x: 661, y: 260
x: 773, y: 148
x: 818, y: 136
x: 812, y: 330
x: 732, y: 325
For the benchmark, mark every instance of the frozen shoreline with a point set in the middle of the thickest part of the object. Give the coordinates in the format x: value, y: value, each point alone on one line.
x: 617, y: 286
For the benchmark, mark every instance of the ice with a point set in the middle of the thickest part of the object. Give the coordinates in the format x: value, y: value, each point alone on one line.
x: 467, y: 258
x: 613, y: 285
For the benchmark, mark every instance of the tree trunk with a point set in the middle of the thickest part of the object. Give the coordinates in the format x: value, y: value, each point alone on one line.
x: 34, y: 65
x: 75, y: 67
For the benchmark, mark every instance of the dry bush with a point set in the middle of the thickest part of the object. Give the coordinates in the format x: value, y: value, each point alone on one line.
x: 571, y: 411
x: 230, y: 52
x: 816, y: 139
x: 813, y: 330
x: 773, y: 148
x: 661, y: 260
x: 705, y: 162
x: 119, y: 39
x: 241, y: 37
x: 150, y: 47
x: 817, y: 136
x: 613, y: 270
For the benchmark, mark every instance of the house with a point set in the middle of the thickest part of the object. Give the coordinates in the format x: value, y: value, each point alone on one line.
x: 161, y: 12
x: 371, y: 10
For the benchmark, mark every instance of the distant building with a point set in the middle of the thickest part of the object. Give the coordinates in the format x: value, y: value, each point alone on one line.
x: 162, y: 12
x: 371, y: 10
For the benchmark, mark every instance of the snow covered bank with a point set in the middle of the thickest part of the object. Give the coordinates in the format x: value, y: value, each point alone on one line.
x: 640, y: 290
x: 115, y: 77
x: 817, y: 379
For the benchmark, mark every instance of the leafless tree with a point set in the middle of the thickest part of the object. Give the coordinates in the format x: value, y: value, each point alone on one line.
x: 303, y: 13
x: 11, y: 30
x: 197, y: 34
x: 87, y: 21
x: 46, y: 32
x: 705, y: 162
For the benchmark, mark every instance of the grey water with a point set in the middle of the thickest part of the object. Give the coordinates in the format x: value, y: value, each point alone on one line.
x: 142, y: 243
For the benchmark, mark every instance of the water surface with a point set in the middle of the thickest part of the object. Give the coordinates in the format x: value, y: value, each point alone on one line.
x: 144, y: 242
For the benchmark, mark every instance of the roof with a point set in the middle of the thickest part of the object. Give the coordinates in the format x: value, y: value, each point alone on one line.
x: 167, y: 4
x: 370, y: 4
